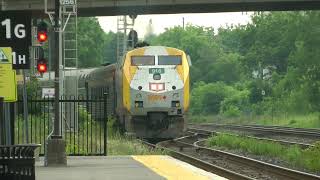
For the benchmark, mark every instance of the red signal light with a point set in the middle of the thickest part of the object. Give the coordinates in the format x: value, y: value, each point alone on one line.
x: 42, y: 36
x: 42, y: 66
x: 42, y: 32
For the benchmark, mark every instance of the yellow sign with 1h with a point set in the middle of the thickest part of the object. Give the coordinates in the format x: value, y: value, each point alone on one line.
x: 8, y: 83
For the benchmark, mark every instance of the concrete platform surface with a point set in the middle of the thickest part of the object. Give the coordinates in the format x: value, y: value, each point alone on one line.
x: 152, y: 167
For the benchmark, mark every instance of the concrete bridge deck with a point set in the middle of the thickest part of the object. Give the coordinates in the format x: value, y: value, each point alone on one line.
x: 124, y: 7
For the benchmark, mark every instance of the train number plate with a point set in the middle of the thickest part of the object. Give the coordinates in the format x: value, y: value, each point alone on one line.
x: 156, y: 70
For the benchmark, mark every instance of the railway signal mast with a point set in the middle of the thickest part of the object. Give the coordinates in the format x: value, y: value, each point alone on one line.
x: 55, y: 149
x: 42, y: 37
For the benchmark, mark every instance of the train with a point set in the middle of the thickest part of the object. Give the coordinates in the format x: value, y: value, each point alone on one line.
x: 148, y: 91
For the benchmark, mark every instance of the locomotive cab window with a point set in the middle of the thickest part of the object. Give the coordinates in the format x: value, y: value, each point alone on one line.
x: 142, y: 60
x: 169, y: 60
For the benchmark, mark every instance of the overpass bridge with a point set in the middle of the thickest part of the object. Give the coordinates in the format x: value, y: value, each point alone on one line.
x: 122, y: 7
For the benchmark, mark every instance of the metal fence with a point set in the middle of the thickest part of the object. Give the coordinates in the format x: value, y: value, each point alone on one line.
x: 83, y: 121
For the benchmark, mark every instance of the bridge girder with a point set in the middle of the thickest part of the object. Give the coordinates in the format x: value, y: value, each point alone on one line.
x: 122, y: 7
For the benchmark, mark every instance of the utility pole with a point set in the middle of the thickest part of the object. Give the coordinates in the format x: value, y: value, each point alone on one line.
x: 55, y: 153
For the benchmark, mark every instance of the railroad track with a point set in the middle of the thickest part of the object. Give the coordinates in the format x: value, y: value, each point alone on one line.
x: 279, y: 130
x: 200, y: 163
x: 283, y: 142
x: 226, y: 164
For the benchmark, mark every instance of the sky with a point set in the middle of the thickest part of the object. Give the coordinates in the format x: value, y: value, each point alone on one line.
x: 161, y: 22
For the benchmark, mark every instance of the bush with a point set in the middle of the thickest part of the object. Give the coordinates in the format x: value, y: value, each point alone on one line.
x: 234, y: 104
x: 84, y: 115
x: 215, y: 98
x: 232, y: 111
x: 206, y: 98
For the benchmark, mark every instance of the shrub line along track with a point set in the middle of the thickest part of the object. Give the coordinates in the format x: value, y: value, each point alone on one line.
x: 225, y: 164
x: 209, y: 133
x: 301, y: 132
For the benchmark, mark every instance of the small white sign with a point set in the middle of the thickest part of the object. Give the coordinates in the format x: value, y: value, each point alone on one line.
x: 47, y: 92
x: 67, y: 2
x: 3, y: 57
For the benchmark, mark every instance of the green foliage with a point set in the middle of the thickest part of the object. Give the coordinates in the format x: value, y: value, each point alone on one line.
x: 286, y: 44
x: 95, y: 46
x: 33, y: 92
x: 39, y: 130
x: 208, y: 97
x: 281, y: 119
x: 295, y: 156
x: 32, y: 87
x: 84, y: 115
x: 235, y: 103
x: 121, y: 145
x: 214, y: 98
x: 224, y: 61
x: 113, y: 127
x: 232, y: 111
x: 110, y: 49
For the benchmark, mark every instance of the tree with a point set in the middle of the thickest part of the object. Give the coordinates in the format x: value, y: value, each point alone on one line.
x: 110, y: 49
x: 91, y: 42
x: 285, y: 43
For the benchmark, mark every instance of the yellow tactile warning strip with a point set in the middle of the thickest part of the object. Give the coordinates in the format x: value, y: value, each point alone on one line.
x: 171, y: 168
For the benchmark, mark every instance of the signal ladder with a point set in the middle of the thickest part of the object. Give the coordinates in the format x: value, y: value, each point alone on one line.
x: 69, y: 36
x: 69, y: 62
x: 124, y: 26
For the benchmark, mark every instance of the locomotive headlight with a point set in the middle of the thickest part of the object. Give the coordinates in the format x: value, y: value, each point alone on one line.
x: 138, y: 104
x: 156, y: 86
x: 175, y: 103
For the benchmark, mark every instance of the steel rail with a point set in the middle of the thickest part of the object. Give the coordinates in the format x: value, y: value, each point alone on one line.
x: 208, y: 133
x: 312, y: 133
x: 317, y: 130
x: 281, y: 172
x: 200, y: 163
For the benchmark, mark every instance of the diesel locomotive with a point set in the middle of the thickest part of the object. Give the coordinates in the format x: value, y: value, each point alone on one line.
x: 148, y: 91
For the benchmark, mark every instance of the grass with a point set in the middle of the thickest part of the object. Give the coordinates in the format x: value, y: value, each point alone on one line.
x: 38, y: 130
x: 295, y: 156
x: 121, y: 145
x: 89, y: 139
x: 301, y: 121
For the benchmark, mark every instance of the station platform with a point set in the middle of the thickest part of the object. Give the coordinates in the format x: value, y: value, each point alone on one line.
x: 154, y: 167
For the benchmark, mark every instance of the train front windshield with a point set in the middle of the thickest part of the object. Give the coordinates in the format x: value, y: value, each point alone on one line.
x: 169, y: 60
x: 142, y: 60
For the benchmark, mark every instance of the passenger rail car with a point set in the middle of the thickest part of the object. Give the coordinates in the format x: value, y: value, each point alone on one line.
x: 149, y: 89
